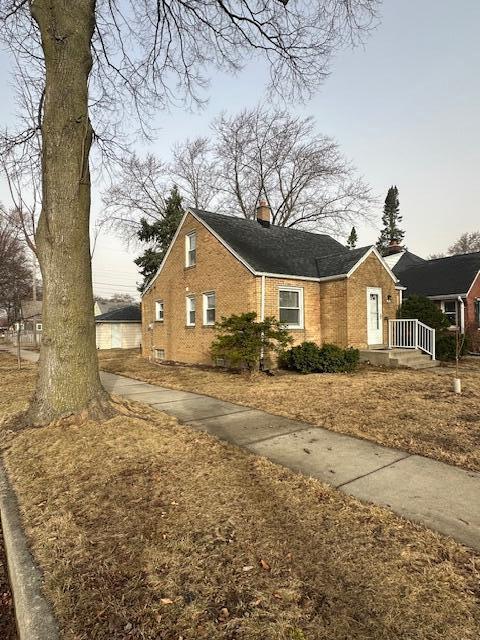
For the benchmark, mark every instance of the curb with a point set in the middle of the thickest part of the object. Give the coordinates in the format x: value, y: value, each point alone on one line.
x: 35, y: 620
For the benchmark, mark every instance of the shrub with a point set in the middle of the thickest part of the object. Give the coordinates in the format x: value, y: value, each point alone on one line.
x: 308, y: 357
x: 446, y: 345
x: 242, y: 340
x: 425, y: 310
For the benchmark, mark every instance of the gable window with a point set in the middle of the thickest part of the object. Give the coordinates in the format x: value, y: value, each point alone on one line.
x: 290, y: 307
x: 191, y: 304
x: 209, y: 306
x: 191, y: 249
x: 450, y: 310
x: 159, y: 310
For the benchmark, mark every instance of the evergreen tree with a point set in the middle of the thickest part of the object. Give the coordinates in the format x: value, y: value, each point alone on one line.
x: 391, y: 232
x: 352, y: 239
x: 159, y: 234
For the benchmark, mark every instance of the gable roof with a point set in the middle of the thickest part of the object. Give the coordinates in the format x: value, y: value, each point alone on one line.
x: 272, y: 249
x: 279, y: 251
x: 398, y: 262
x: 130, y: 313
x: 449, y: 276
x: 31, y: 309
x: 104, y: 307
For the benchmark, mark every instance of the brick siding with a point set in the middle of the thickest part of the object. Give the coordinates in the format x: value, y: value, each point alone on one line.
x: 334, y: 311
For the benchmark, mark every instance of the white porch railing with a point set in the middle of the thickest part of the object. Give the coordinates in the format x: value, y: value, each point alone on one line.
x: 411, y: 334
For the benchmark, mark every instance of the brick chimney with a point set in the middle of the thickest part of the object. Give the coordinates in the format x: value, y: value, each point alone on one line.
x: 393, y: 247
x: 263, y: 213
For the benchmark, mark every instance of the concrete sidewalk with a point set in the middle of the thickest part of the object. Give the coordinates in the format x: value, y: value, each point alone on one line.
x: 444, y: 498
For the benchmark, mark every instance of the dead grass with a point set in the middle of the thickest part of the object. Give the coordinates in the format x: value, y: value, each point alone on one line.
x: 149, y: 530
x: 411, y: 410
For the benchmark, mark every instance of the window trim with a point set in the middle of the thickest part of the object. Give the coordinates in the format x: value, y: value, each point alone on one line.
x: 188, y: 236
x: 449, y: 313
x: 300, y: 307
x: 157, y: 303
x: 39, y: 326
x: 155, y: 349
x: 189, y: 310
x: 205, y: 308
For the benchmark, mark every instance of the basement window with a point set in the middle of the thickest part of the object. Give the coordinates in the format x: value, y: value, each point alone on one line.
x: 290, y: 307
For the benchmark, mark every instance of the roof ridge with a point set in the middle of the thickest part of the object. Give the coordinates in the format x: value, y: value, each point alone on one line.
x: 253, y: 221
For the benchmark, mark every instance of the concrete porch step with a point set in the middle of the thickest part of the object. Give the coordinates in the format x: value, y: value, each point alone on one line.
x: 411, y: 358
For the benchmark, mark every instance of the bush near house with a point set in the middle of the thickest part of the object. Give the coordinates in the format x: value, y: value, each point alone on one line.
x: 446, y: 345
x: 425, y: 310
x: 429, y: 313
x: 308, y: 357
x: 242, y: 341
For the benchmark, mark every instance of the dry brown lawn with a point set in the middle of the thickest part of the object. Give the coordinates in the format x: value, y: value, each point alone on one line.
x: 412, y: 410
x: 149, y: 530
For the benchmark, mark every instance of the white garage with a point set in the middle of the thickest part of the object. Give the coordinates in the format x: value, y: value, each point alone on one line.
x: 120, y: 328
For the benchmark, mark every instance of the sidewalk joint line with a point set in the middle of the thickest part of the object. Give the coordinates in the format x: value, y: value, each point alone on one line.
x: 221, y: 415
x: 279, y: 435
x: 370, y: 473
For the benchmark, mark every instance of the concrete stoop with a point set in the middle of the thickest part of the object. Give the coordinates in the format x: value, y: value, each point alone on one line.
x: 410, y: 358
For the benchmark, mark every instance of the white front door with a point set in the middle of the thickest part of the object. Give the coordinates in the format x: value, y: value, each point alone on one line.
x: 374, y: 316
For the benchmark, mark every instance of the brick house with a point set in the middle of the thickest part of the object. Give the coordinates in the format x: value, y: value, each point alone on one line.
x: 452, y: 282
x: 218, y: 265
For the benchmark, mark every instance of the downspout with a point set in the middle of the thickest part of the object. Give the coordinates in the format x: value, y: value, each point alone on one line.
x: 262, y: 317
x: 462, y: 315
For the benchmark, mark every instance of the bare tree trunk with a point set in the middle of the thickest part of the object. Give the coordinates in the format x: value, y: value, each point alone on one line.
x: 68, y: 379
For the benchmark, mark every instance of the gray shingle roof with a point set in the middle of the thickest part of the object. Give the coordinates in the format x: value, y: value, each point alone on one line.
x: 31, y: 309
x: 408, y: 259
x: 130, y: 313
x: 442, y: 276
x: 282, y: 250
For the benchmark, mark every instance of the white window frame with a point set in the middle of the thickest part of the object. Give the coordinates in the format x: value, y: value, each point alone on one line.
x: 159, y: 304
x: 189, y: 250
x: 155, y: 351
x: 188, y: 301
x: 448, y: 313
x: 206, y: 308
x: 38, y: 326
x: 299, y: 290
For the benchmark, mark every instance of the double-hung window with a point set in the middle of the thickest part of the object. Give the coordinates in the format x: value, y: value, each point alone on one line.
x: 209, y: 306
x: 159, y: 310
x: 477, y: 312
x: 290, y: 307
x: 191, y: 249
x: 191, y: 311
x: 450, y: 310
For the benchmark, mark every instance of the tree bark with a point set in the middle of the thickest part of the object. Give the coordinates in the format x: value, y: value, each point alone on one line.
x: 68, y: 380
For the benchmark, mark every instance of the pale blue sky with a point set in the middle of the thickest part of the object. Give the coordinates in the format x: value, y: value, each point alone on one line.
x: 405, y: 109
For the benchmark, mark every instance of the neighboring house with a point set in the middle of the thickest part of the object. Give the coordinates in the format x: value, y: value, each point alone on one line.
x: 30, y: 325
x: 218, y: 265
x: 452, y: 282
x: 119, y: 328
x: 399, y: 259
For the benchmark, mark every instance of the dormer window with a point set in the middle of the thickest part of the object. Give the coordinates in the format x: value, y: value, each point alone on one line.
x: 191, y: 249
